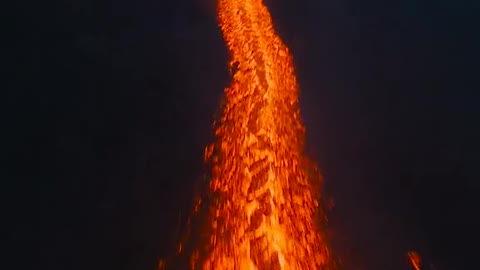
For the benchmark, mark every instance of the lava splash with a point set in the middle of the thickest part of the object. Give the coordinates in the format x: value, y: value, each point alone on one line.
x: 263, y: 210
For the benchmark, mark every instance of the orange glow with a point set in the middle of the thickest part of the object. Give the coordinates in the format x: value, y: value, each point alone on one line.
x: 415, y: 260
x: 161, y: 265
x: 262, y: 215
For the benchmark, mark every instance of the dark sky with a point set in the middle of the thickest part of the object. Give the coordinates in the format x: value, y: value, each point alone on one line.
x: 110, y: 103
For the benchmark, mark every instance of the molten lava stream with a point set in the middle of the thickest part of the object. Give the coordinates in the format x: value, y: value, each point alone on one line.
x: 263, y: 208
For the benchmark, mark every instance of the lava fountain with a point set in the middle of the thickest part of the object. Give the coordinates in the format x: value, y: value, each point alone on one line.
x: 263, y: 210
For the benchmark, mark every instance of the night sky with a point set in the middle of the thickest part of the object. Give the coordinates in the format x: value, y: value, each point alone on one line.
x: 108, y: 106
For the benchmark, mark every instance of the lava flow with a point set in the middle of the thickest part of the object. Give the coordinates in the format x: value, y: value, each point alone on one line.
x: 263, y: 205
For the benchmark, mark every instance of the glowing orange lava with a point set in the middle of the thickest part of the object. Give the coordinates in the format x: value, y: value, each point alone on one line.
x: 414, y: 259
x: 262, y: 215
